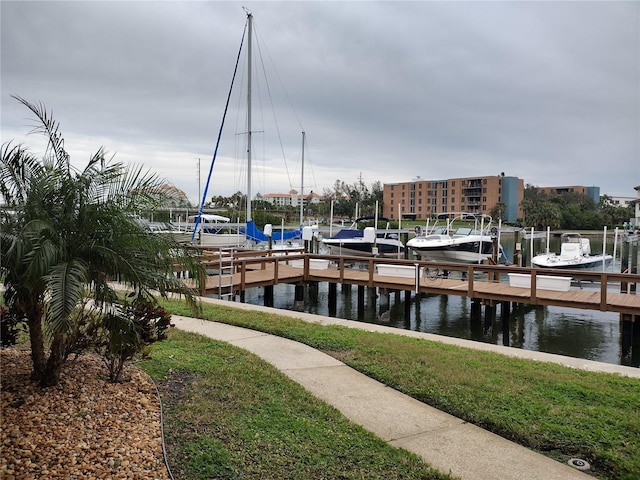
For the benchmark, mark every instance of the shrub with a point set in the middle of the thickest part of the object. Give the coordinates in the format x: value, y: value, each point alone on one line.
x: 126, y: 331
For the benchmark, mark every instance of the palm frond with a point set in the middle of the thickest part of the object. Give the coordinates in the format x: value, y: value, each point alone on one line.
x: 50, y: 129
x: 16, y: 168
x: 66, y: 285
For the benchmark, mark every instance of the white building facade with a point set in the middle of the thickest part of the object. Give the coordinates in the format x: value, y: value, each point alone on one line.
x: 291, y: 199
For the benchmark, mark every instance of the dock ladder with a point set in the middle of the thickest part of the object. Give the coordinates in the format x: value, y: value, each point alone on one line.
x: 226, y: 269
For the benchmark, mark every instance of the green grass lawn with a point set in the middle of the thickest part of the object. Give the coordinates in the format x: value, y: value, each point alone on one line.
x: 230, y: 415
x: 559, y: 411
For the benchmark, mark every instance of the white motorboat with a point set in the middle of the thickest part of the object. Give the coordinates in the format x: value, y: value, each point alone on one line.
x: 214, y: 231
x: 575, y: 253
x: 461, y: 245
x: 369, y: 241
x: 180, y: 236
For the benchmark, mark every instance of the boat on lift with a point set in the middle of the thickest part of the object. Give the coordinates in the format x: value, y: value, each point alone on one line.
x: 575, y: 253
x: 447, y: 243
x: 370, y: 241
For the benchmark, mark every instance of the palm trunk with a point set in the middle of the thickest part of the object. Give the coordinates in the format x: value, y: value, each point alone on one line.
x: 54, y: 363
x: 36, y: 339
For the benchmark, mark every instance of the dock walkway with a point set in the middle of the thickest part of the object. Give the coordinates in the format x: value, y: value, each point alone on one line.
x: 479, y: 282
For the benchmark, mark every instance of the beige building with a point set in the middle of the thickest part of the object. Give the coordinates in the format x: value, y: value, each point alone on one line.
x: 421, y: 199
x: 291, y: 199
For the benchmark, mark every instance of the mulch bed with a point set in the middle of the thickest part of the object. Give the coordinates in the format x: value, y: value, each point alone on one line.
x: 85, y: 427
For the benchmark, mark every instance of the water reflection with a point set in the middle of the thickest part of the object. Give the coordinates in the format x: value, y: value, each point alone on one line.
x: 588, y: 334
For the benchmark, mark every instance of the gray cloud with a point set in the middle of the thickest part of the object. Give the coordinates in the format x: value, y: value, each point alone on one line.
x: 547, y: 91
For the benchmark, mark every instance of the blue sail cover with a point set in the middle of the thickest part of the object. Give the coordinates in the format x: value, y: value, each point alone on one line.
x: 257, y: 235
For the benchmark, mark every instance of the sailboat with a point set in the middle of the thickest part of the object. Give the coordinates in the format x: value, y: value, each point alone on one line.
x: 249, y: 231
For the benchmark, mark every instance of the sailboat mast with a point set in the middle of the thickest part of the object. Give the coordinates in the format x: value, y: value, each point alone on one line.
x: 302, y: 185
x: 249, y: 45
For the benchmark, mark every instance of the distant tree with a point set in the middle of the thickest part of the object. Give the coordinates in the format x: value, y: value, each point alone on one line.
x: 346, y: 196
x: 567, y: 210
x: 497, y: 211
x: 538, y: 211
x: 220, y: 201
x: 68, y: 234
x: 613, y: 214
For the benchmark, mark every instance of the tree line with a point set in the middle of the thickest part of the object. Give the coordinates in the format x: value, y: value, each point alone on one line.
x: 344, y: 197
x: 571, y: 210
x: 567, y: 210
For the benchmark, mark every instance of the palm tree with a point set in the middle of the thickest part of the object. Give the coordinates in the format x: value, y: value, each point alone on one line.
x: 68, y: 234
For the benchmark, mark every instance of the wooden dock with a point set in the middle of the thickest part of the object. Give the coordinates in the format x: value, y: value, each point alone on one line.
x: 231, y: 273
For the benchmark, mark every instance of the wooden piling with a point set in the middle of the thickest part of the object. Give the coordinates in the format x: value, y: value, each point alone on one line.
x: 476, y: 309
x: 489, y: 314
x: 384, y: 303
x: 268, y: 296
x: 298, y: 303
x: 360, y: 298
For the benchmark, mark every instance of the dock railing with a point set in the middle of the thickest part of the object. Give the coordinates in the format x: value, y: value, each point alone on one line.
x: 276, y: 267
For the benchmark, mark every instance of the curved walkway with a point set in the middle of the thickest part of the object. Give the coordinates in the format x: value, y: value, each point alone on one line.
x: 442, y: 440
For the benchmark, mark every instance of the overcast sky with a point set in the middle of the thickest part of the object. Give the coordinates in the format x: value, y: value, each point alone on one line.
x: 389, y: 91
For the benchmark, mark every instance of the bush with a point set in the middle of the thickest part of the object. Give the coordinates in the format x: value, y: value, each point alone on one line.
x: 127, y: 331
x: 10, y: 327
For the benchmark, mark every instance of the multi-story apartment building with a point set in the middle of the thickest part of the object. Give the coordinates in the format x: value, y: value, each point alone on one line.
x: 421, y: 199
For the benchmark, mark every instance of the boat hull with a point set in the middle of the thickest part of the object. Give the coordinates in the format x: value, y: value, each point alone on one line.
x: 176, y: 236
x: 362, y: 248
x: 452, y: 255
x: 454, y: 250
x: 221, y: 239
x: 584, y: 262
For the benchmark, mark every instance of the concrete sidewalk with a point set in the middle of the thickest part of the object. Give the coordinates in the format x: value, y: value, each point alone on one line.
x: 445, y: 442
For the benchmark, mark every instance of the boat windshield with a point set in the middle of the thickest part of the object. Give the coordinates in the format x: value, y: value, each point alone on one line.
x: 570, y: 238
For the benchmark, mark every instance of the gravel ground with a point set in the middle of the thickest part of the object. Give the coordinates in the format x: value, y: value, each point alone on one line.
x: 83, y: 428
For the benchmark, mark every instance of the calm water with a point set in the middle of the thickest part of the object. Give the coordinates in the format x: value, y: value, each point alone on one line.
x: 587, y: 334
x: 591, y: 335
